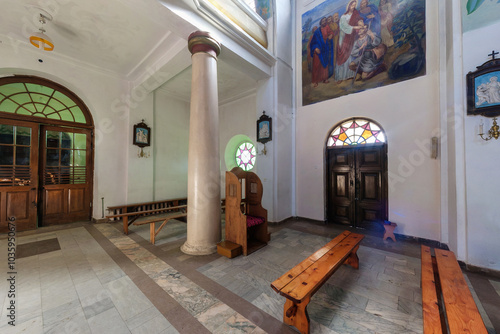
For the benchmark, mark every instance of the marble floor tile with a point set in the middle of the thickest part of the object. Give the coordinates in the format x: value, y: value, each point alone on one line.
x: 32, y: 326
x: 109, y: 322
x: 143, y: 318
x: 215, y: 315
x: 155, y: 325
x: 65, y: 318
x: 127, y: 298
x: 82, y: 288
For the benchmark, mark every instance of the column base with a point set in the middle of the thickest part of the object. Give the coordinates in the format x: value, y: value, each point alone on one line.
x: 198, y: 250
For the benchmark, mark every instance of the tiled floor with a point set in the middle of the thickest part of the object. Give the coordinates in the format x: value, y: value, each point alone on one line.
x: 91, y: 278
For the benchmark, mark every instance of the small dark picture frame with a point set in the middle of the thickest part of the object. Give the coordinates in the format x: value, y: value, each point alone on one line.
x: 483, y: 90
x: 142, y: 134
x: 264, y: 128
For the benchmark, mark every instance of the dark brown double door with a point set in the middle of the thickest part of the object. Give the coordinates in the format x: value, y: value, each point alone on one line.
x: 45, y: 174
x: 357, y: 186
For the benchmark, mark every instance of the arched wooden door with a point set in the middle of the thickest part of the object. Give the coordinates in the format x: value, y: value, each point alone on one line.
x: 46, y: 154
x: 356, y: 180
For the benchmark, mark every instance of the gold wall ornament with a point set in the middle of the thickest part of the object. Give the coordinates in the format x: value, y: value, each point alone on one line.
x: 492, y: 132
x: 142, y: 153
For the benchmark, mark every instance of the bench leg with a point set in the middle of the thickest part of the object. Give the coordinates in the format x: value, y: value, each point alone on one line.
x: 152, y: 232
x: 296, y: 315
x: 125, y: 224
x: 353, y: 259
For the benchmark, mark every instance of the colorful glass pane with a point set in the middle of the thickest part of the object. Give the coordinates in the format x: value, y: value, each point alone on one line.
x: 354, y: 132
x: 245, y: 156
x: 39, y: 101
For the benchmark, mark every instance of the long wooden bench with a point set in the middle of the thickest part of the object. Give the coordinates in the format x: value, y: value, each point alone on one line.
x: 153, y: 231
x: 116, y: 210
x: 447, y: 303
x: 129, y: 217
x: 128, y: 213
x: 300, y: 283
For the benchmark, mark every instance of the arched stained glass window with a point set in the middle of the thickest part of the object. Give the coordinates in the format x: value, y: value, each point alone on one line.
x: 245, y: 156
x: 356, y: 131
x: 31, y: 96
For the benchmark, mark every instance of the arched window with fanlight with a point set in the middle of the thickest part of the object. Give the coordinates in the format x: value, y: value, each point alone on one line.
x: 356, y: 131
x: 356, y: 174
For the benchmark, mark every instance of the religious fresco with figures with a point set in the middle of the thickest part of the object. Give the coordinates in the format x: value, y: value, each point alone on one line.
x: 349, y: 46
x: 479, y: 13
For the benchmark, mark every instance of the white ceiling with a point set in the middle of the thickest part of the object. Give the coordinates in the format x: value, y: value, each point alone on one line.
x: 124, y: 37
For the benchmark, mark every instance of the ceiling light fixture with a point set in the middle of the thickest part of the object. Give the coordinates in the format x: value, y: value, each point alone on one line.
x: 39, y: 39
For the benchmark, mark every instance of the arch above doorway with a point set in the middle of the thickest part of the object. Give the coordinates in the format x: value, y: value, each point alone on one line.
x: 356, y: 131
x: 25, y: 97
x: 46, y: 153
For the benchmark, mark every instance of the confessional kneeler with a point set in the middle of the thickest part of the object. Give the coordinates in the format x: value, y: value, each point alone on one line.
x: 246, y: 219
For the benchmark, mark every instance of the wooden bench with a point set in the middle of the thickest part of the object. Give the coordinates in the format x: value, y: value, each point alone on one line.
x: 136, y: 214
x: 153, y: 231
x: 300, y: 283
x: 447, y: 303
x: 128, y: 213
x: 145, y: 206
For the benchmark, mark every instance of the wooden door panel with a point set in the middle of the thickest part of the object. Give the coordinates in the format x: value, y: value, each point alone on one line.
x: 18, y: 174
x: 357, y: 186
x: 341, y: 159
x: 53, y: 201
x: 369, y: 157
x: 370, y: 187
x: 341, y: 184
x: 371, y: 205
x: 368, y: 215
x: 66, y: 171
x: 342, y: 213
x: 77, y: 200
x: 340, y: 208
x: 18, y: 204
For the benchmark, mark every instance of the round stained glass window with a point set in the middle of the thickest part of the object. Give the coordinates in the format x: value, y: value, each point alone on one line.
x: 245, y: 156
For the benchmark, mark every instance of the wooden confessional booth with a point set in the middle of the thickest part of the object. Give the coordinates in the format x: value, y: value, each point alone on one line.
x: 246, y: 219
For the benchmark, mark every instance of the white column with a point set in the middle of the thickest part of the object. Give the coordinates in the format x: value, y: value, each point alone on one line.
x: 204, y: 212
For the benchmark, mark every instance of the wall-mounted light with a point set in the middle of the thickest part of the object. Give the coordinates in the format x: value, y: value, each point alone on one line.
x: 39, y: 39
x: 492, y: 132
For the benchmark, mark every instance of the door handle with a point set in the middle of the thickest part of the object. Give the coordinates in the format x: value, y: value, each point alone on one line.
x: 34, y: 204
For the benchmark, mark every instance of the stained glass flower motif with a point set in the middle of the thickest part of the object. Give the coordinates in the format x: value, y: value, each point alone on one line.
x: 245, y: 156
x: 356, y: 132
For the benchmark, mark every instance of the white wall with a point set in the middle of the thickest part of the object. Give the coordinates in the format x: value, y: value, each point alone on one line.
x: 102, y: 94
x: 481, y: 161
x: 163, y: 173
x: 283, y: 130
x: 171, y: 150
x: 140, y: 170
x: 409, y: 113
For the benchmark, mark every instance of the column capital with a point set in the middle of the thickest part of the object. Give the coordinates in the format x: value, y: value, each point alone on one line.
x: 201, y: 41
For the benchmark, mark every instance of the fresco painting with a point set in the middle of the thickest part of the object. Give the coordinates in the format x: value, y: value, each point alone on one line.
x: 479, y: 13
x: 350, y: 46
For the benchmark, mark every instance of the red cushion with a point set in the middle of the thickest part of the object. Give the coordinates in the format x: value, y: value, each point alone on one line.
x: 254, y: 220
